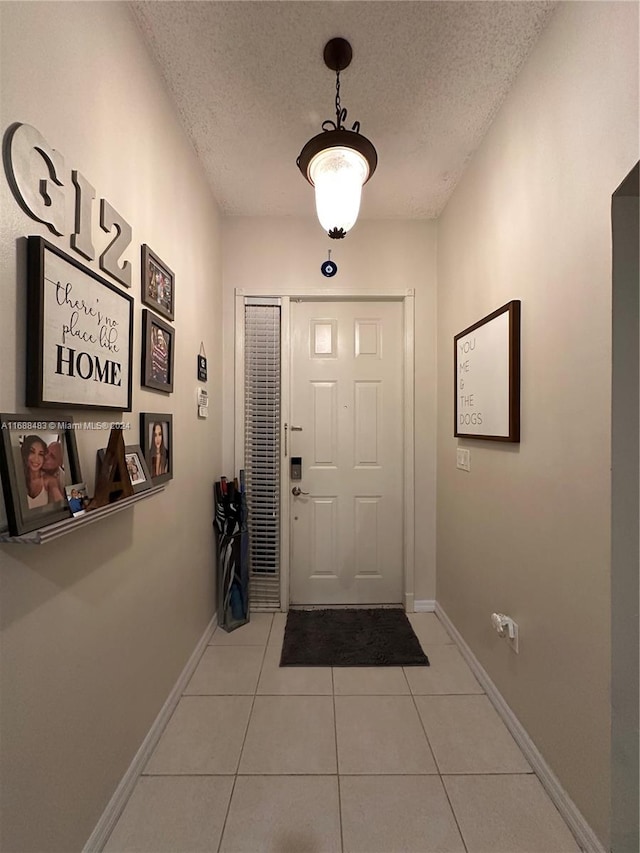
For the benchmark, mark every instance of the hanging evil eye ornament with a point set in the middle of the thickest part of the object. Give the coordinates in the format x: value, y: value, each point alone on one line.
x: 329, y: 267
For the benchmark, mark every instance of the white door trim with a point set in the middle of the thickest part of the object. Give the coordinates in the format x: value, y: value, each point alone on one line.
x: 333, y: 294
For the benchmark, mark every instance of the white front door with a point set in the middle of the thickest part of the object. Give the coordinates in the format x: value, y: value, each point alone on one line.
x: 346, y: 424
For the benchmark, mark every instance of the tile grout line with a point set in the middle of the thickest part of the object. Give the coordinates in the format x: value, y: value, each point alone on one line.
x: 335, y: 732
x: 435, y: 760
x: 446, y: 793
x: 244, y: 739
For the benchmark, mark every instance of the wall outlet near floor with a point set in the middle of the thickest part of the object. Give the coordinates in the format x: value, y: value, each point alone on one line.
x: 506, y: 627
x: 513, y: 640
x: 463, y: 461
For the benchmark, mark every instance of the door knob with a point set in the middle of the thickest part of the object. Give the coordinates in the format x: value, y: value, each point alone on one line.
x: 296, y: 491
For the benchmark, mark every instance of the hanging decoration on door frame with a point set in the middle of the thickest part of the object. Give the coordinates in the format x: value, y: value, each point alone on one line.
x: 329, y: 268
x: 202, y: 364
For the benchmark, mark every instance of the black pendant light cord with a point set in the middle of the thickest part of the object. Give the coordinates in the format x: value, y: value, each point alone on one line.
x: 341, y: 113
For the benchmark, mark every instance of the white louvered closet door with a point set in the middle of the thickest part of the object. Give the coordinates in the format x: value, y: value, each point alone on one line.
x: 262, y: 450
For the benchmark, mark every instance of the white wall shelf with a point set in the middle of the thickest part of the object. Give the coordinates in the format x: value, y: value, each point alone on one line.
x: 61, y: 528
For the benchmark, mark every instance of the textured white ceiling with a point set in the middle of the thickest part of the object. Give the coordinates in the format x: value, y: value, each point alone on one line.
x: 251, y: 87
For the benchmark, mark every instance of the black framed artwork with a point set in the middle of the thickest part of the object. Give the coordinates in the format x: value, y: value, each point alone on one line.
x: 156, y: 437
x: 38, y: 459
x: 158, y: 284
x: 158, y: 340
x: 79, y: 334
x: 487, y: 377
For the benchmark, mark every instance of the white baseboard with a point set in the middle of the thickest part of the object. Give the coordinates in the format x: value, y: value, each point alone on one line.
x: 581, y: 830
x: 118, y: 801
x: 424, y: 605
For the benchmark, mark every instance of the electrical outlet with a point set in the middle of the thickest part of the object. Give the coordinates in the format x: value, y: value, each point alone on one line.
x: 514, y: 640
x: 463, y: 461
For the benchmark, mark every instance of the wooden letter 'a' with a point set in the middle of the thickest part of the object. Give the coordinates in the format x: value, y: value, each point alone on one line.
x: 113, y: 481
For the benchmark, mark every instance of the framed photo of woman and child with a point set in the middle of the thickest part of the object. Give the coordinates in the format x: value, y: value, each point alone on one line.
x: 158, y: 284
x: 156, y: 439
x: 38, y: 460
x: 157, y: 353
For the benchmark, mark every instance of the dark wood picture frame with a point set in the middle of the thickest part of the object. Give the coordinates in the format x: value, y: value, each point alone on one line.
x: 79, y: 334
x: 486, y: 365
x: 15, y: 430
x: 139, y: 483
x: 4, y: 521
x: 162, y: 461
x: 158, y: 342
x: 158, y: 284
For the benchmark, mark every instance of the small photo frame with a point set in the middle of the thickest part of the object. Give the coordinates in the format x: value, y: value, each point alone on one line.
x: 38, y: 459
x: 156, y: 436
x: 157, y: 353
x: 158, y: 284
x: 136, y: 467
x: 77, y: 498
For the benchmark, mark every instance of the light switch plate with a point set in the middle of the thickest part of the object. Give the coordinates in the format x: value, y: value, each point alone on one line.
x: 463, y: 461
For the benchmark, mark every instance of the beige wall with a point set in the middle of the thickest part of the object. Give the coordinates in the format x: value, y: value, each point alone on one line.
x: 527, y: 531
x: 97, y: 626
x: 275, y: 254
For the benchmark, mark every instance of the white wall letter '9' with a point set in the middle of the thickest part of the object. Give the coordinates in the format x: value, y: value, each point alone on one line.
x: 29, y: 158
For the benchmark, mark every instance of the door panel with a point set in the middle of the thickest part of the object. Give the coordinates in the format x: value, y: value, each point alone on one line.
x: 346, y: 396
x: 367, y: 421
x: 325, y: 422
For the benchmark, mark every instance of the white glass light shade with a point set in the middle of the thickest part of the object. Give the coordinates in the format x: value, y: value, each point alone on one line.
x: 338, y: 175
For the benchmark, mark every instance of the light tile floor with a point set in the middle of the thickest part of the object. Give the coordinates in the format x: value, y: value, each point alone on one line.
x: 262, y: 759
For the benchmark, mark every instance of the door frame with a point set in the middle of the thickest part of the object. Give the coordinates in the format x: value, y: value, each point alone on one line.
x: 285, y: 295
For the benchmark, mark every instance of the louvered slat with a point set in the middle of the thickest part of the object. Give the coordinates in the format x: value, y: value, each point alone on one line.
x: 262, y: 451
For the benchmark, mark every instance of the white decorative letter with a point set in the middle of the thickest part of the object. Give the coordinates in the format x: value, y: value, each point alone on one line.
x: 81, y: 238
x: 39, y: 197
x: 109, y: 219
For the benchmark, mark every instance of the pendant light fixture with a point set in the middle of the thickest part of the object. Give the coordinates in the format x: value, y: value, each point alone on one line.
x: 338, y: 162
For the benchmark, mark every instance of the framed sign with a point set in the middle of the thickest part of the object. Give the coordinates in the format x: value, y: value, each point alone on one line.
x: 157, y: 353
x: 79, y: 334
x: 158, y: 284
x: 38, y: 459
x: 487, y: 377
x: 156, y: 437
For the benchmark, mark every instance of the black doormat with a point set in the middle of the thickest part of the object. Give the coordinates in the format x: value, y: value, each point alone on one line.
x: 371, y: 637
